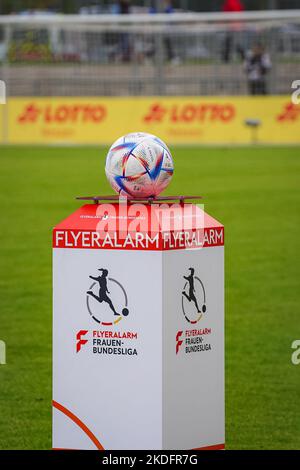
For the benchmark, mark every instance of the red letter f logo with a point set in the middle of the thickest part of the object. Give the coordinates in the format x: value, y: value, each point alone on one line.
x: 178, y: 341
x: 80, y: 342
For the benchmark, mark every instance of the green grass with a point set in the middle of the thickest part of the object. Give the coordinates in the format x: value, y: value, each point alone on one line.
x: 253, y: 191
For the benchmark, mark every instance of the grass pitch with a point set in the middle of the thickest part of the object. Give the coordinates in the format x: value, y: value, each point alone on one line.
x: 255, y: 192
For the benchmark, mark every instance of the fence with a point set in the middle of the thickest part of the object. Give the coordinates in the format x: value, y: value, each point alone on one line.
x: 144, y: 55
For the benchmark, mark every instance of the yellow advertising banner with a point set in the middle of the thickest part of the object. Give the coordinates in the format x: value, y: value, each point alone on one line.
x: 177, y: 120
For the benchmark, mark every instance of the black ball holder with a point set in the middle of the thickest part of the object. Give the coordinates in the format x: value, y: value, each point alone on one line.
x: 145, y: 200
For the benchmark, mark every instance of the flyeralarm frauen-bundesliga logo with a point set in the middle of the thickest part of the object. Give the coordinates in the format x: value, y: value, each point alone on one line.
x: 193, y: 305
x: 107, y: 305
x: 100, y: 292
x: 193, y: 300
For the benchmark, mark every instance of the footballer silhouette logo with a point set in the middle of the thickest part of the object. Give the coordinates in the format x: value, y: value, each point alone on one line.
x: 193, y: 299
x: 106, y: 299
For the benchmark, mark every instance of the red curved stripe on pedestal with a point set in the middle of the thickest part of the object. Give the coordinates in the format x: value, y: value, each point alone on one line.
x: 79, y: 423
x: 215, y: 447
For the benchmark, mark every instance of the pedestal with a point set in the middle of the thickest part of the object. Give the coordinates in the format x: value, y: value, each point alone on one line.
x: 138, y: 332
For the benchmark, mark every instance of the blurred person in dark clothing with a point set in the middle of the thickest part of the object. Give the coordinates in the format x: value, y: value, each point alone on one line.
x: 257, y: 65
x: 124, y: 9
x: 167, y: 7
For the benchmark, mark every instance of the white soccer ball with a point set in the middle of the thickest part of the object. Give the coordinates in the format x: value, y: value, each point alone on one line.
x: 139, y: 165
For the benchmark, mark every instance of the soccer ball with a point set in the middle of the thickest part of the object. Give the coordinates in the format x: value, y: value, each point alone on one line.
x: 139, y: 165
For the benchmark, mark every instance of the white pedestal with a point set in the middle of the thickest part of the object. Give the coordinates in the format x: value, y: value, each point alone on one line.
x: 151, y: 377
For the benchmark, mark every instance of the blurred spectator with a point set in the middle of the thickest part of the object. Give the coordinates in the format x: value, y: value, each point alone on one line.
x: 167, y: 7
x: 257, y: 65
x: 230, y: 6
x: 124, y: 9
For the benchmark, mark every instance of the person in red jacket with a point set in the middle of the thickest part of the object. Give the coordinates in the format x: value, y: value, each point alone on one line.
x: 230, y: 6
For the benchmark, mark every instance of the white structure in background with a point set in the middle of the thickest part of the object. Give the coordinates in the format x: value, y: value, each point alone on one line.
x: 2, y: 352
x: 2, y: 92
x: 179, y: 54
